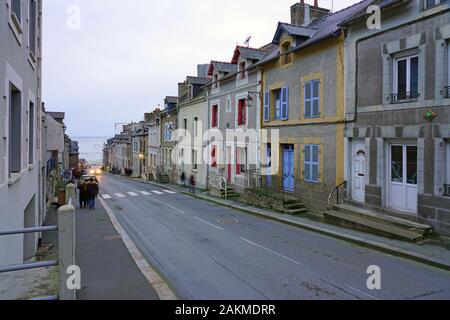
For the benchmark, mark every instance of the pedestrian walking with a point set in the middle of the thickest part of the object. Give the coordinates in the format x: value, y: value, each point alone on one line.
x: 92, y: 192
x: 183, y: 179
x: 82, y: 194
x: 192, y: 184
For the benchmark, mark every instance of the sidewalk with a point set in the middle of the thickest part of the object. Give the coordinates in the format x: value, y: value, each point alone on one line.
x: 108, y: 271
x: 433, y: 251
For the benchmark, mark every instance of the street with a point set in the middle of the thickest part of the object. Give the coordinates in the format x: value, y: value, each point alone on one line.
x: 205, y: 251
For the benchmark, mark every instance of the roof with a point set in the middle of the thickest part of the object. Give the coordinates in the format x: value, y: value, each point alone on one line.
x: 247, y: 53
x: 381, y: 3
x: 56, y: 115
x: 220, y: 66
x: 293, y: 30
x: 197, y: 80
x: 324, y: 28
x: 170, y: 99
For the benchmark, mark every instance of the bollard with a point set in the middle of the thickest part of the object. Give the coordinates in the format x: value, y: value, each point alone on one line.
x: 71, y: 193
x: 66, y: 243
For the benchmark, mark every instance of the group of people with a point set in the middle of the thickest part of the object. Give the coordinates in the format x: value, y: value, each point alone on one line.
x: 87, y: 192
x: 191, y: 182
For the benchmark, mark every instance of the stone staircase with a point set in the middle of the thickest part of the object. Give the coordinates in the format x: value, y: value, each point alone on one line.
x: 163, y: 178
x: 230, y: 192
x: 294, y: 207
x: 380, y: 224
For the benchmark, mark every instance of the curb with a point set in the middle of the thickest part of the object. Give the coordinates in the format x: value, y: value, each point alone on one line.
x: 372, y: 244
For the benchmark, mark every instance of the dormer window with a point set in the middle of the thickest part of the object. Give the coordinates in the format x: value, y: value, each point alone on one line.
x: 432, y: 3
x: 286, y: 57
x: 216, y: 81
x: 190, y: 92
x: 242, y: 67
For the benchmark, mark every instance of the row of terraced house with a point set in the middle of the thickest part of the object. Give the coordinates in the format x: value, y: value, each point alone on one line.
x: 339, y: 105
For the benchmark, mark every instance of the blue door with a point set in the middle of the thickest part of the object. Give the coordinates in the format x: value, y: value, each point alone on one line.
x: 288, y: 168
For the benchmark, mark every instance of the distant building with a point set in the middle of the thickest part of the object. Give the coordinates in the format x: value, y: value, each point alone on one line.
x: 168, y: 170
x: 153, y: 123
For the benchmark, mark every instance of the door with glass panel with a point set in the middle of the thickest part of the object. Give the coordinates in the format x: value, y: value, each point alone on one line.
x: 403, y: 178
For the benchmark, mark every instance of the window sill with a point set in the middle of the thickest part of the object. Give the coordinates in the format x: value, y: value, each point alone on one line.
x: 15, y: 177
x: 16, y: 28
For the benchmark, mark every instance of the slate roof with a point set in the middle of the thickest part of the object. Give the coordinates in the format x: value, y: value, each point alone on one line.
x: 298, y: 31
x: 171, y: 100
x: 197, y: 80
x: 381, y: 3
x: 248, y: 53
x: 222, y: 67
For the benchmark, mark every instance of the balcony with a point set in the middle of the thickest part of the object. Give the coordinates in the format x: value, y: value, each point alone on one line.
x: 404, y: 97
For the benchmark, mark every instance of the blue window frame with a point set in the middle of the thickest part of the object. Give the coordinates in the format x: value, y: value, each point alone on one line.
x: 312, y: 99
x: 267, y: 106
x: 285, y: 103
x: 312, y: 156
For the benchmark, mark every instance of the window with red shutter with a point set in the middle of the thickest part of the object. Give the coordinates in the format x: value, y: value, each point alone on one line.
x: 238, y: 159
x: 241, y: 112
x: 214, y: 120
x: 214, y: 157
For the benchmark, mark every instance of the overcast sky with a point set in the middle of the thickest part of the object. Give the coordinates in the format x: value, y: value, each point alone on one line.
x: 128, y: 55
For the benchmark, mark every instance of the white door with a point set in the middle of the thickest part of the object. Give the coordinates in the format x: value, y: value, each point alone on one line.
x: 403, y: 178
x: 358, y: 171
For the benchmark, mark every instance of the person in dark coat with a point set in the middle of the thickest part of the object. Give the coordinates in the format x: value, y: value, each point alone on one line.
x: 92, y: 192
x: 82, y: 196
x: 192, y: 183
x: 183, y: 179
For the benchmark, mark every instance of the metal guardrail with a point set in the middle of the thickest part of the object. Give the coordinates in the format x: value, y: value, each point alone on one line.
x: 219, y: 183
x: 66, y: 243
x: 336, y: 190
x: 404, y: 97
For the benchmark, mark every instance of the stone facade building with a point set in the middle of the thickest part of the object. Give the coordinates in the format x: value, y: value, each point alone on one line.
x: 398, y: 109
x: 168, y: 169
x: 153, y: 123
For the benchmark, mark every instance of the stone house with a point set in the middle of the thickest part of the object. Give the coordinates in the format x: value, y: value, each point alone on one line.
x: 234, y: 116
x: 167, y: 171
x: 398, y: 111
x: 193, y: 121
x: 153, y: 123
x: 303, y: 89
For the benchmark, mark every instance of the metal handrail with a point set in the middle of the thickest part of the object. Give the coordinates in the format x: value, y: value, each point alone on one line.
x: 220, y: 183
x: 336, y: 190
x: 28, y: 266
x: 28, y: 230
x: 404, y: 97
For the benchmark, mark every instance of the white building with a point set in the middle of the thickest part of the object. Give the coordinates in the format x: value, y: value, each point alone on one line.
x: 154, y: 143
x: 20, y: 124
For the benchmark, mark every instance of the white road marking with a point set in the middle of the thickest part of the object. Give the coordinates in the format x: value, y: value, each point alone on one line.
x: 119, y: 195
x: 157, y: 192
x: 145, y: 193
x: 362, y: 292
x: 175, y: 208
x: 169, y: 191
x: 106, y: 196
x: 210, y: 224
x: 161, y: 287
x: 133, y: 194
x: 271, y: 251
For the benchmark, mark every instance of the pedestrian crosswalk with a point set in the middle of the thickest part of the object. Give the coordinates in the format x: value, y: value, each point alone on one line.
x: 133, y: 194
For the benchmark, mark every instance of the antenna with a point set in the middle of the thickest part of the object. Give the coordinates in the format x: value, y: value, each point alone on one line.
x: 247, y: 41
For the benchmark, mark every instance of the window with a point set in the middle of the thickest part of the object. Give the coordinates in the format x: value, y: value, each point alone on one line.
x: 447, y: 89
x: 286, y: 55
x: 185, y: 126
x: 31, y: 134
x: 285, y: 103
x: 32, y: 28
x: 215, y: 116
x: 242, y: 112
x: 214, y: 157
x: 228, y: 107
x: 16, y: 10
x: 311, y: 173
x: 432, y: 3
x: 267, y: 106
x: 168, y: 132
x: 190, y: 92
x: 277, y: 104
x: 312, y: 99
x: 406, y: 79
x: 241, y: 160
x: 195, y: 127
x: 216, y: 81
x: 242, y: 67
x: 194, y: 160
x: 15, y: 129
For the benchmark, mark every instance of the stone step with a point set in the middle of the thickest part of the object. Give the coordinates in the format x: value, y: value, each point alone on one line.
x: 297, y: 205
x: 296, y: 212
x: 385, y: 219
x: 368, y: 225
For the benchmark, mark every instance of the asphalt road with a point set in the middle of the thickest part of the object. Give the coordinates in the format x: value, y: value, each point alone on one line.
x: 205, y: 251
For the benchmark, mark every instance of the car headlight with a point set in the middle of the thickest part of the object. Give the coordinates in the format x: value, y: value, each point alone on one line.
x: 92, y: 171
x: 99, y: 172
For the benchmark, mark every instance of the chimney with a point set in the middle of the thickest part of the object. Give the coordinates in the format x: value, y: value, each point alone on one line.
x: 302, y: 14
x: 202, y: 70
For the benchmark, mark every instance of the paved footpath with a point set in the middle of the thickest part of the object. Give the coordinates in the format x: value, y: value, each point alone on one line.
x: 108, y: 271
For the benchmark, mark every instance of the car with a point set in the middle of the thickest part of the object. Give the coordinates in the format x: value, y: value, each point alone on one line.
x: 95, y: 172
x: 87, y: 177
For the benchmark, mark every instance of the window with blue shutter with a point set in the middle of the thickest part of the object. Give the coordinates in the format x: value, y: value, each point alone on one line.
x: 312, y: 156
x: 267, y: 106
x: 285, y: 103
x: 312, y: 99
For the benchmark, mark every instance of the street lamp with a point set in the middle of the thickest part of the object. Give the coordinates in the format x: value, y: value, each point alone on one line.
x: 250, y: 100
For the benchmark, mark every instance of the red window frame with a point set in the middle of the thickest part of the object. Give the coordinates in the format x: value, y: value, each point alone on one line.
x: 214, y: 116
x: 242, y: 112
x: 214, y: 157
